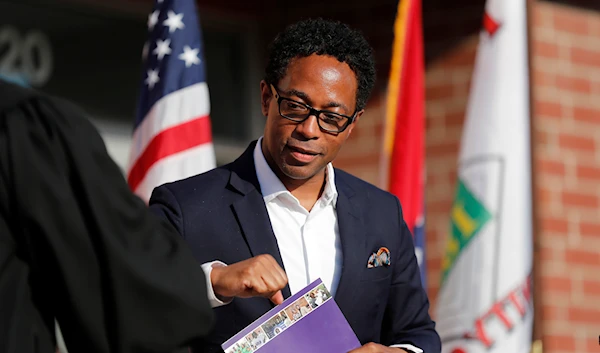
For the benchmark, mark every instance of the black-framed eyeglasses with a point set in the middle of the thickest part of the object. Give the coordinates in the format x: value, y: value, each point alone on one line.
x: 298, y: 112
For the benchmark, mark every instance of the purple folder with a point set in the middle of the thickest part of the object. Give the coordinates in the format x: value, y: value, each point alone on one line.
x: 308, y: 321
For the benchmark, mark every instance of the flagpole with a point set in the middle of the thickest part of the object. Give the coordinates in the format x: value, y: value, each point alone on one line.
x: 536, y: 346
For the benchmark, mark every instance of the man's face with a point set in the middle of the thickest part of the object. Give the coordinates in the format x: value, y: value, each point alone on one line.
x: 302, y: 150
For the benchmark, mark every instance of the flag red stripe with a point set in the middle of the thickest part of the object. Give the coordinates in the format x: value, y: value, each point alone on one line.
x: 170, y: 141
x: 407, y: 157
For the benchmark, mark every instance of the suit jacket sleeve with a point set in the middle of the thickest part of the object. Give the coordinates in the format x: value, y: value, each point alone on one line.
x: 407, y: 317
x: 116, y: 277
x: 164, y: 204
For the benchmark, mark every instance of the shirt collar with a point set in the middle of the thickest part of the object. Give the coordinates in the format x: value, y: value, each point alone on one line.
x: 272, y: 187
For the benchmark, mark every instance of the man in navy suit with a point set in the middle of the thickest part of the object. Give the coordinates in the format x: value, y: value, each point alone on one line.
x: 281, y: 216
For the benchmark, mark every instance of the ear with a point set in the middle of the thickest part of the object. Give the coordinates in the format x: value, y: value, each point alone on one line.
x: 265, y: 97
x: 351, y: 127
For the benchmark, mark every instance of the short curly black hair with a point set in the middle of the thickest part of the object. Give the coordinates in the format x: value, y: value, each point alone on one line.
x: 324, y: 37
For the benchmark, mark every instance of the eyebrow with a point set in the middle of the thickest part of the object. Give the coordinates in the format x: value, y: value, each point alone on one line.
x: 305, y: 97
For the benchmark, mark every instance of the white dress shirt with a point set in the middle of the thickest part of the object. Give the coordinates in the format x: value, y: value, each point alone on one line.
x: 309, y: 242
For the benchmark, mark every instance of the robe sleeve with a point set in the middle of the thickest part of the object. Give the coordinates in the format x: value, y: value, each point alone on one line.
x: 116, y: 278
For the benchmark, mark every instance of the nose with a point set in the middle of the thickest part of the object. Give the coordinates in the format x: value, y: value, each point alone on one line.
x: 309, y: 128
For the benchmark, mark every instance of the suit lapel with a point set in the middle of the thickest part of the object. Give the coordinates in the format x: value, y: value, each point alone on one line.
x: 353, y: 241
x: 251, y: 212
x: 252, y: 216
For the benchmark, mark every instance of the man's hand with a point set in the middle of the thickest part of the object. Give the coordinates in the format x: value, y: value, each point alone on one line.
x: 377, y: 348
x: 258, y: 276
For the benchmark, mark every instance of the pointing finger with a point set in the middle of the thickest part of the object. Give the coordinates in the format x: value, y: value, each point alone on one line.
x: 277, y: 298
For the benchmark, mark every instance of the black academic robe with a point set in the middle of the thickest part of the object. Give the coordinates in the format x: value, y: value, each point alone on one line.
x: 78, y: 246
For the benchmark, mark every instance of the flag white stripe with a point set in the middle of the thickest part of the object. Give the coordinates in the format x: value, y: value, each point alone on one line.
x: 177, y: 166
x: 173, y: 109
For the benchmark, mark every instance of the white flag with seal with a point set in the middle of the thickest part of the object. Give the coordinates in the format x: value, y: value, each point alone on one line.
x: 485, y: 302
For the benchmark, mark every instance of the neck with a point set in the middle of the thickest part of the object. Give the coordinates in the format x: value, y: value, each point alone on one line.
x: 307, y: 191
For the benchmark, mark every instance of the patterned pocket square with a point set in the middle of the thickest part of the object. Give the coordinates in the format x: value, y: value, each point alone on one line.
x: 379, y: 258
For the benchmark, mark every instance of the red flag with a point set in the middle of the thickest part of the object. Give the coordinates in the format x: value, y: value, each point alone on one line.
x: 404, y: 162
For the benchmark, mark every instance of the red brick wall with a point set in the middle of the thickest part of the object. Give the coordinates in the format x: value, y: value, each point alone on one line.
x: 566, y: 107
x: 566, y: 77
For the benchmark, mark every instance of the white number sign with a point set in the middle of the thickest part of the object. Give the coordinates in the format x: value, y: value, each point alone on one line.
x: 28, y: 56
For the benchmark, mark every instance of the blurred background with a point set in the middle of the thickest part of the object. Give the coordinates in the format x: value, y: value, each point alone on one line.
x: 89, y: 51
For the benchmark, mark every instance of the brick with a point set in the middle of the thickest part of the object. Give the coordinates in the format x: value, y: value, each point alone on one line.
x: 551, y: 312
x: 429, y: 123
x: 545, y: 49
x: 541, y: 137
x: 591, y: 288
x: 433, y: 179
x: 435, y: 76
x: 434, y: 288
x: 585, y: 56
x: 434, y: 265
x: 586, y: 115
x: 583, y: 257
x: 539, y: 19
x: 546, y: 208
x: 352, y: 161
x: 367, y: 174
x: 580, y: 315
x: 590, y: 173
x: 542, y: 78
x: 571, y: 22
x: 445, y: 149
x: 544, y: 195
x: 574, y: 84
x: 442, y: 206
x: 554, y: 225
x: 575, y: 142
x: 454, y: 120
x: 462, y: 89
x: 452, y: 177
x: 556, y: 284
x: 547, y: 166
x: 559, y: 343
x: 436, y: 92
x: 589, y: 229
x: 379, y: 129
x: 464, y: 56
x: 548, y: 109
x: 433, y: 235
x: 579, y: 200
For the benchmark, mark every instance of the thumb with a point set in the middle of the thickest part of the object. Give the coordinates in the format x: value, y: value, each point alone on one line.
x: 277, y: 298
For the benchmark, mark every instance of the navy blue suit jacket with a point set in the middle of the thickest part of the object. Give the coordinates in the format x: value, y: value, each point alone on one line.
x: 222, y: 216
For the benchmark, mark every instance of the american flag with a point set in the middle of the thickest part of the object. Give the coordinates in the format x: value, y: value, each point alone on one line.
x: 172, y: 136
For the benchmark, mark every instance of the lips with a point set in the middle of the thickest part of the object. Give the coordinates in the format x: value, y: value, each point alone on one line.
x: 302, y: 150
x: 302, y: 155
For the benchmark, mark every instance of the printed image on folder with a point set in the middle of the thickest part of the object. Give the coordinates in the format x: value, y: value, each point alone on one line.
x: 308, y: 321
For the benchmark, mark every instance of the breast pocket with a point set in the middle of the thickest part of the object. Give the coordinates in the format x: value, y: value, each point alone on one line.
x: 378, y: 265
x: 376, y: 274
